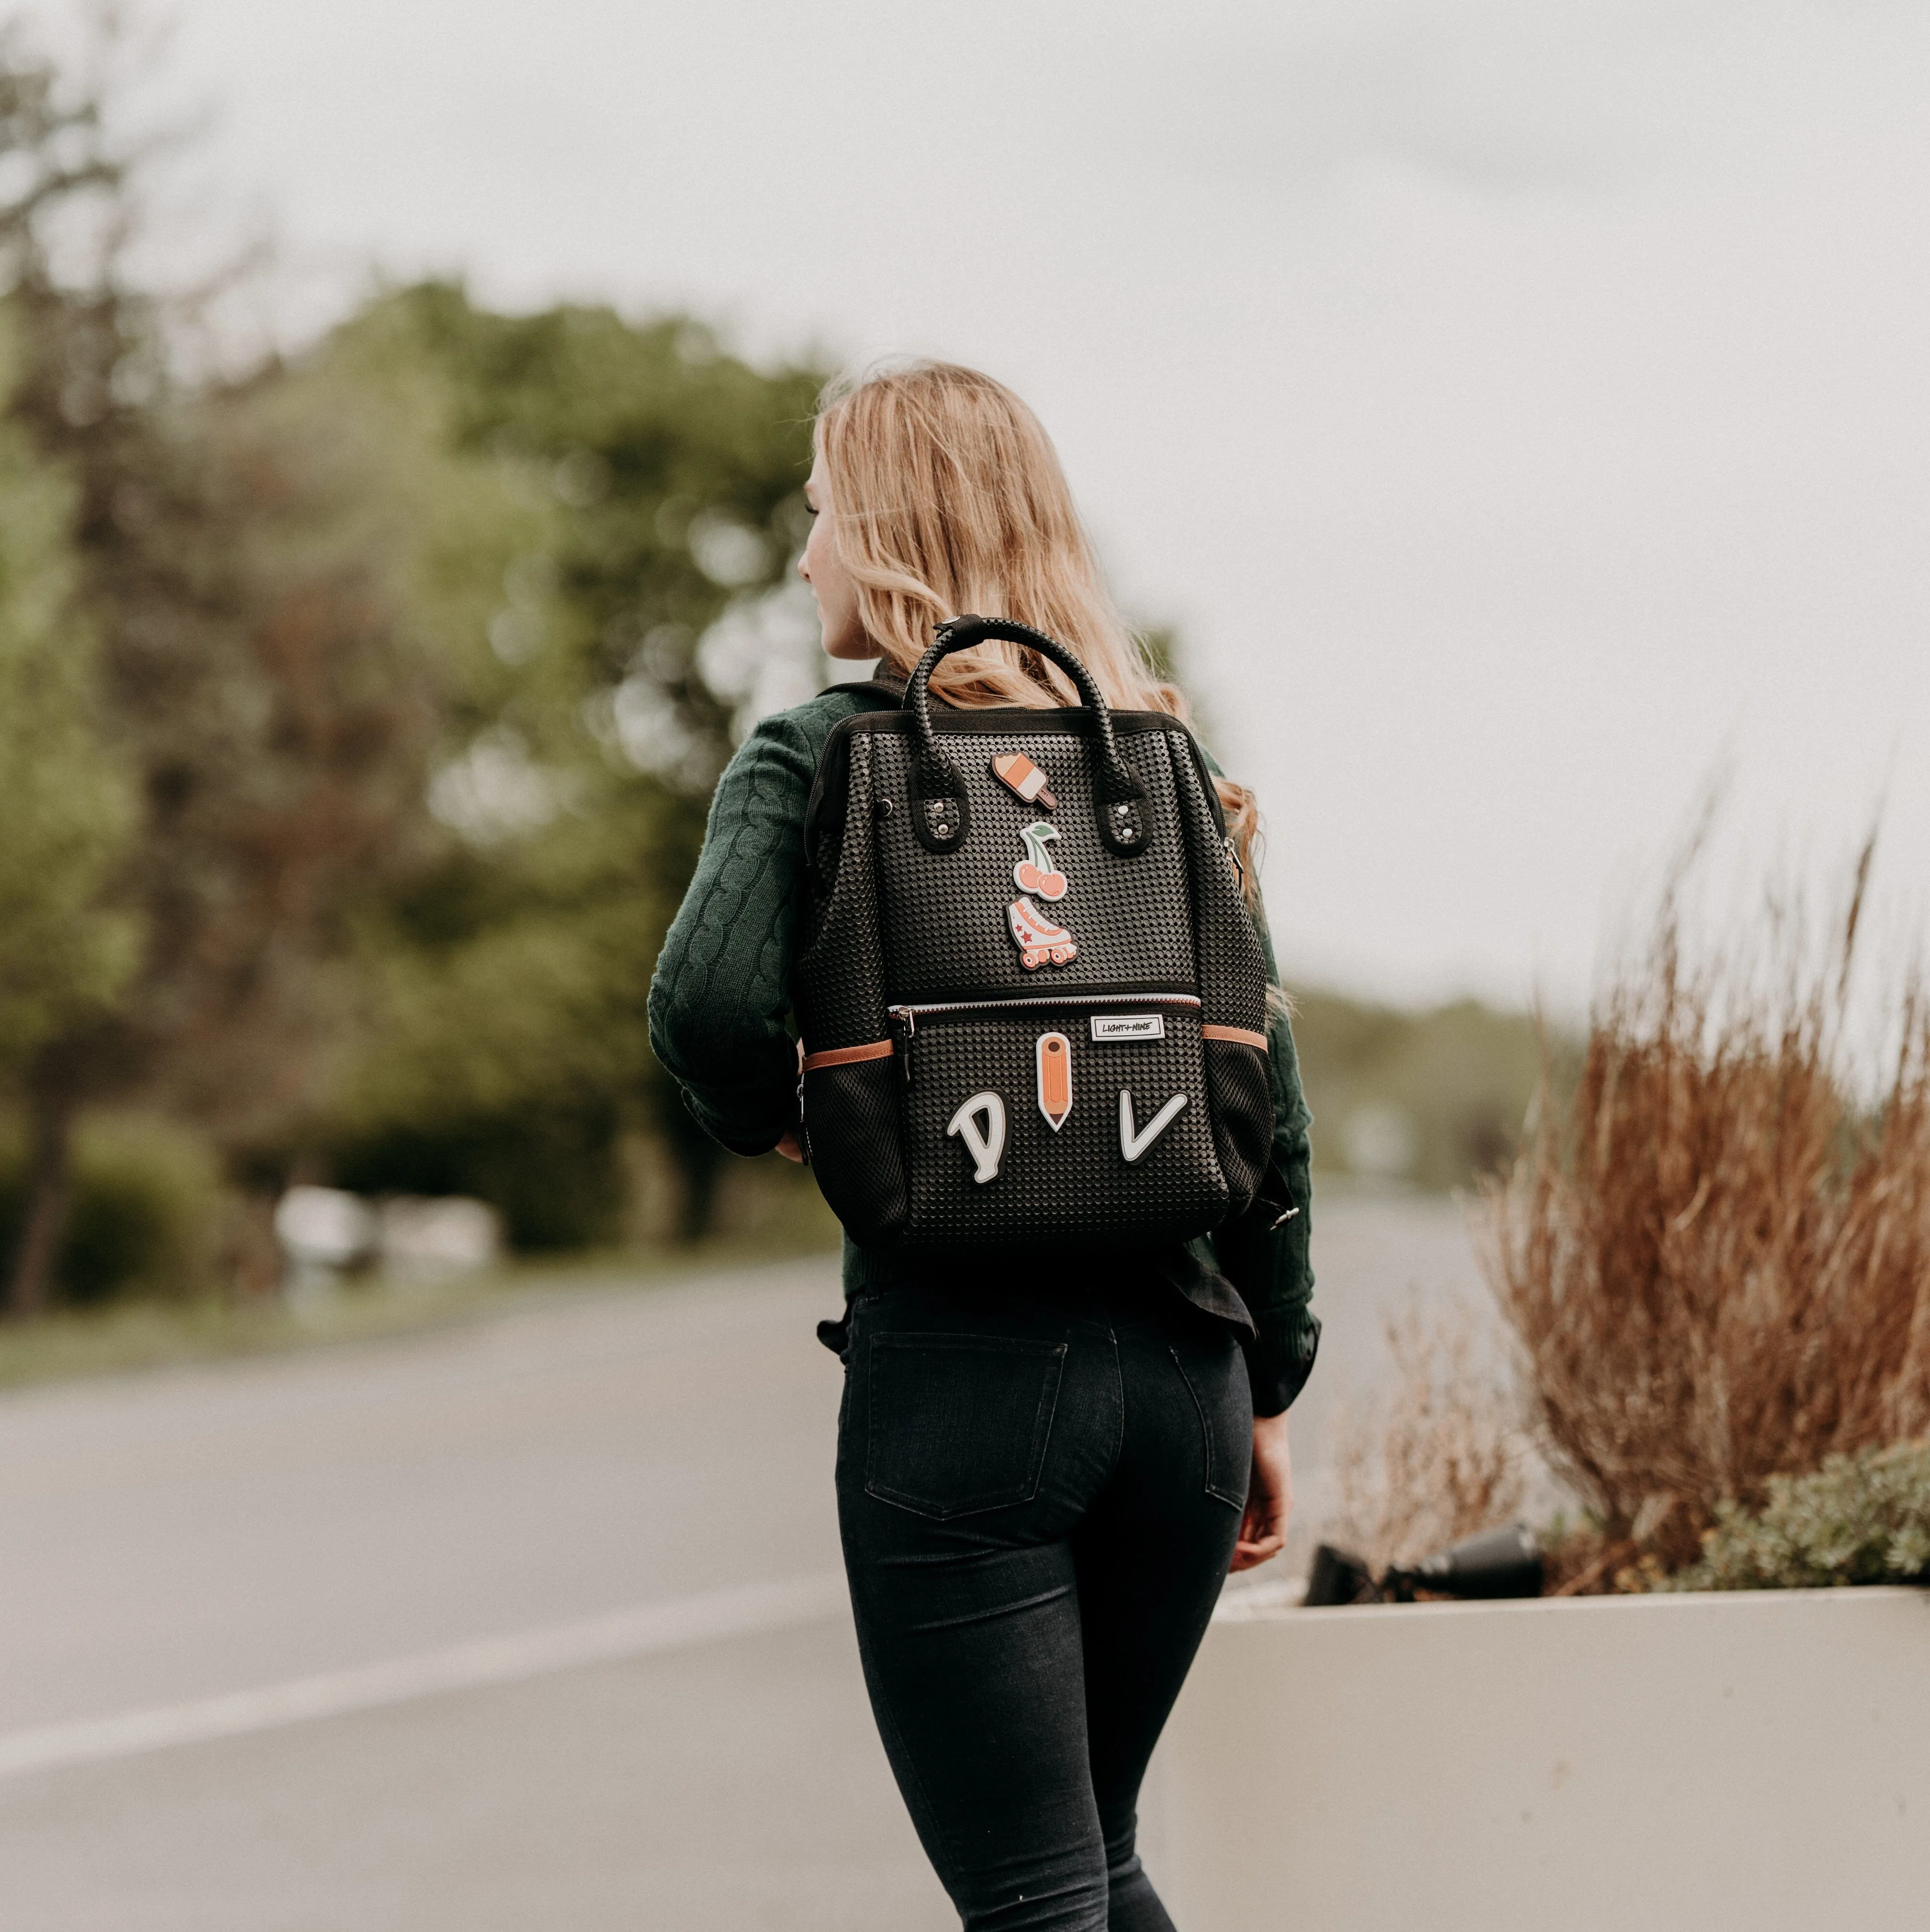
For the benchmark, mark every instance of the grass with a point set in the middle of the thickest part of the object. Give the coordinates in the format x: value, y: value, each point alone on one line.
x: 1712, y: 1256
x: 1437, y: 1456
x: 1716, y: 1259
x: 129, y: 1336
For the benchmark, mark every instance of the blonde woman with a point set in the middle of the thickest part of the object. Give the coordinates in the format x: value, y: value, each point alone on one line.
x: 1021, y: 1651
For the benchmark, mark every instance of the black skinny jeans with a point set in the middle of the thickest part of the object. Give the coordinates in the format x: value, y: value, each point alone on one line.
x: 1040, y: 1493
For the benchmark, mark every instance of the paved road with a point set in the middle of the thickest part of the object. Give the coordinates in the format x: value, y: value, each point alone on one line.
x: 600, y: 1480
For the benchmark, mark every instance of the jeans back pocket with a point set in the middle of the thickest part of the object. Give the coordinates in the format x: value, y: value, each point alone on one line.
x: 958, y: 1423
x: 1226, y: 1422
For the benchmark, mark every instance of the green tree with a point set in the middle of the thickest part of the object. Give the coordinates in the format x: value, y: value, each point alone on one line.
x: 1435, y: 1098
x: 414, y: 660
x: 280, y: 577
x: 65, y: 953
x: 625, y: 655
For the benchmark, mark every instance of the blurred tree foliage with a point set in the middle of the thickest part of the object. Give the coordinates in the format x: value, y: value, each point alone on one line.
x: 361, y: 712
x: 146, y: 1213
x: 63, y: 956
x: 358, y: 719
x: 1430, y: 1099
x: 506, y: 1054
x: 273, y: 576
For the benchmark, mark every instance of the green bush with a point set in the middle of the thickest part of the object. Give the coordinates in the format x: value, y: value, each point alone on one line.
x: 554, y: 1173
x: 1450, y: 1086
x: 143, y: 1217
x: 1860, y: 1519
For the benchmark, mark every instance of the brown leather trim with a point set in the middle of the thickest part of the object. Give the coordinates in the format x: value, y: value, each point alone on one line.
x: 846, y: 1056
x: 1239, y: 1036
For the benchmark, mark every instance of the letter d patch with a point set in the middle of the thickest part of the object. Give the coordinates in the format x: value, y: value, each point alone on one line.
x: 986, y: 1144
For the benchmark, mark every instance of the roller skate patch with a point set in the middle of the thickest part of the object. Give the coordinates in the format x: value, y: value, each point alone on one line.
x: 1040, y: 942
x: 1035, y: 873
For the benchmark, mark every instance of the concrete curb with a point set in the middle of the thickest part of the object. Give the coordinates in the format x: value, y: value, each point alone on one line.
x: 1757, y: 1760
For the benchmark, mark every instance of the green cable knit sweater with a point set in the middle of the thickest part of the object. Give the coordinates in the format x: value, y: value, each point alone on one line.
x: 721, y: 1024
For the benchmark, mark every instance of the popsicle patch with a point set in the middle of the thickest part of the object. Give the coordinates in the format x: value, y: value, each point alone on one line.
x: 1024, y: 780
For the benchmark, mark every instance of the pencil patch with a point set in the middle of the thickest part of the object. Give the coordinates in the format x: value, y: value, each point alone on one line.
x: 1054, y: 1055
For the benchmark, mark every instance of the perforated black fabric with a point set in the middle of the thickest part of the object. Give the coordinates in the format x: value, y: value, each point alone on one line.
x: 1074, y: 1185
x: 946, y: 929
x: 896, y: 923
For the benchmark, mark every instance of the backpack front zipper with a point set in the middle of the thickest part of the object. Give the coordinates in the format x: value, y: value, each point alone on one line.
x: 904, y: 1017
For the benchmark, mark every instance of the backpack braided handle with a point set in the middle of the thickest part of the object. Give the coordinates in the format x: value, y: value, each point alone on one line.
x: 939, y: 813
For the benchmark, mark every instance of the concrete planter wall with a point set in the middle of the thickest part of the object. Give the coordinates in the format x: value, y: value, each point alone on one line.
x: 1758, y: 1760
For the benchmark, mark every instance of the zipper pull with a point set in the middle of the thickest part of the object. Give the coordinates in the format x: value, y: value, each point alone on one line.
x: 803, y: 1132
x: 904, y: 1025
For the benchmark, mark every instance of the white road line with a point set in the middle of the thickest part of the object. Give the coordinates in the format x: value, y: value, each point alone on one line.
x: 643, y: 1631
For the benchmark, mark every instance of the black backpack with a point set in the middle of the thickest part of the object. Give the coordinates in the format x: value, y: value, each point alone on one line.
x: 1032, y: 999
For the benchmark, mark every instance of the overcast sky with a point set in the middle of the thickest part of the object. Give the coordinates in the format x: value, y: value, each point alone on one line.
x: 1520, y: 407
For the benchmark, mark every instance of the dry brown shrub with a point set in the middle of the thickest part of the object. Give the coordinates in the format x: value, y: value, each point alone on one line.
x: 1439, y: 1456
x: 1716, y: 1258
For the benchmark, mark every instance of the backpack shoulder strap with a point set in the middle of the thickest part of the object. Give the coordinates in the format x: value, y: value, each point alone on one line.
x: 887, y: 685
x: 824, y: 813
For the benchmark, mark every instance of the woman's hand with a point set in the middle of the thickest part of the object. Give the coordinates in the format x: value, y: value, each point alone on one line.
x: 1269, y: 1494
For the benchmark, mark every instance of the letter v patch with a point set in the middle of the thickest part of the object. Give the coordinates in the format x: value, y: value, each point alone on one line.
x: 1133, y: 1143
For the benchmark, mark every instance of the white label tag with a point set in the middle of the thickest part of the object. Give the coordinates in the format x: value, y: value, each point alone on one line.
x: 1128, y: 1026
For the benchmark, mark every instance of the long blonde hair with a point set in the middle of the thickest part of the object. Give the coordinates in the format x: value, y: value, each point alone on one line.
x: 947, y: 498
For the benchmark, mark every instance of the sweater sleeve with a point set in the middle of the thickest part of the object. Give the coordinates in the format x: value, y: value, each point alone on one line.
x: 1267, y: 1253
x: 720, y: 998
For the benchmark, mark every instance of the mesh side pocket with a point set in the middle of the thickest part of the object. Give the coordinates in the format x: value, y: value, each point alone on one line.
x: 851, y: 1122
x: 1242, y: 1109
